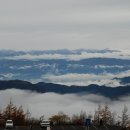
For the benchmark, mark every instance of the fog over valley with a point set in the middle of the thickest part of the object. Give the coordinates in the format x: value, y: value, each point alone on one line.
x: 48, y: 104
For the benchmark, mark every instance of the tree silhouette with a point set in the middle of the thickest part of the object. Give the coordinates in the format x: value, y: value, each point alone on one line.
x: 14, y: 113
x: 124, y: 117
x: 60, y: 118
x: 103, y: 113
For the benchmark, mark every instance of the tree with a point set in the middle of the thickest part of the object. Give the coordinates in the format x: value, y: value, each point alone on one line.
x: 9, y: 111
x: 124, y: 118
x: 60, y: 118
x: 103, y: 113
x: 112, y: 120
x: 1, y: 118
x: 55, y: 119
x: 83, y: 115
x: 14, y: 113
x: 42, y: 118
x: 79, y: 118
x: 106, y: 114
x: 20, y: 116
x: 27, y: 117
x: 97, y: 115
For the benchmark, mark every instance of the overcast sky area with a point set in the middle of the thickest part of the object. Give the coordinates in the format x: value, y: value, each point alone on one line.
x: 69, y: 24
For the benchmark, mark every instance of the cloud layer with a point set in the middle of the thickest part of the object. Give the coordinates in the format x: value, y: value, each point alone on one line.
x: 84, y: 79
x: 70, y: 67
x: 51, y: 103
x: 72, y: 55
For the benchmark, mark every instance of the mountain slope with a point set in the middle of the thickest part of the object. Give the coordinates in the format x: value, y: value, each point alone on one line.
x: 42, y: 87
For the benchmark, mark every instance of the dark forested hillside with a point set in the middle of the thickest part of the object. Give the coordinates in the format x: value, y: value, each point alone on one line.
x: 41, y: 87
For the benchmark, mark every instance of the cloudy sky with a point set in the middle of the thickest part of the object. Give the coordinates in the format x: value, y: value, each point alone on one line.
x: 58, y: 24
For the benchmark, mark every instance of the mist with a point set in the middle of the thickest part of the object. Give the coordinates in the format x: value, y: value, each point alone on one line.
x: 48, y: 104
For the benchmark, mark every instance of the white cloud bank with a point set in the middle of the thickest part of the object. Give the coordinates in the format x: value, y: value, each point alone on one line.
x: 118, y: 54
x: 51, y: 103
x: 84, y: 79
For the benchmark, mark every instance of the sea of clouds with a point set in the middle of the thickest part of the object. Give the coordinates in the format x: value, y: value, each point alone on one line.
x: 48, y: 104
x: 73, y: 55
x: 55, y: 73
x: 69, y: 79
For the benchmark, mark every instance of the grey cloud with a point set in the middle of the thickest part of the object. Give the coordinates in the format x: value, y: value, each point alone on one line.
x: 64, y: 24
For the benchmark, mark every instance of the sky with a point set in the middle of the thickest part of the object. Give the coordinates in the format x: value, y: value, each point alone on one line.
x: 64, y: 24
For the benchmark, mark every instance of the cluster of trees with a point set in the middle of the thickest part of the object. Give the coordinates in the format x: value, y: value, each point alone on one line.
x: 103, y: 113
x: 15, y: 113
x: 111, y: 118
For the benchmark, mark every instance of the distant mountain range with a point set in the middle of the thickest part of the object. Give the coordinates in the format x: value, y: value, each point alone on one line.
x: 69, y: 67
x: 11, y: 53
x: 41, y: 87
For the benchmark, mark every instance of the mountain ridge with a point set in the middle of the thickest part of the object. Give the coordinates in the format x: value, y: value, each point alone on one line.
x: 42, y: 87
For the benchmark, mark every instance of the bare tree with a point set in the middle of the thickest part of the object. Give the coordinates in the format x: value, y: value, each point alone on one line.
x: 103, y: 113
x: 112, y: 120
x: 83, y: 115
x: 60, y: 118
x: 97, y: 115
x: 106, y: 114
x: 42, y: 118
x: 124, y: 118
x: 79, y: 118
